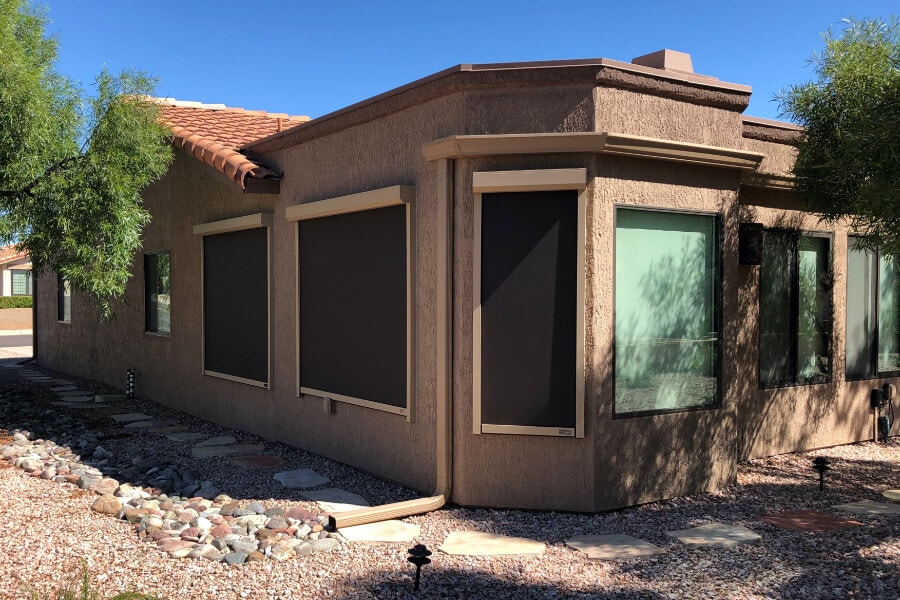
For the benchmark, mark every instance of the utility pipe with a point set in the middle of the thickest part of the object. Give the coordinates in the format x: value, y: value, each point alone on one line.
x: 444, y: 395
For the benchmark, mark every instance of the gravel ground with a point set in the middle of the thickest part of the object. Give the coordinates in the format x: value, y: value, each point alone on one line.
x: 47, y: 531
x: 15, y: 318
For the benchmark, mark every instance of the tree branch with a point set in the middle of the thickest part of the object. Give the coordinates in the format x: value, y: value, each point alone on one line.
x: 27, y: 190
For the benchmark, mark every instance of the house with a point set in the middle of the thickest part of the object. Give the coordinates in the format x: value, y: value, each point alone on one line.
x: 15, y: 272
x: 569, y: 285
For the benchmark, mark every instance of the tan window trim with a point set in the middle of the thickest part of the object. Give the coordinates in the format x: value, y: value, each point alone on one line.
x: 518, y: 181
x: 253, y: 221
x: 369, y: 200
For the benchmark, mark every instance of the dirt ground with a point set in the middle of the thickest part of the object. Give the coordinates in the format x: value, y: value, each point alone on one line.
x: 15, y: 318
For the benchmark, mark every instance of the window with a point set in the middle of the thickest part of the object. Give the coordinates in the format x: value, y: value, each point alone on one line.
x: 528, y: 319
x: 236, y: 299
x: 873, y: 313
x: 157, y: 290
x: 21, y: 282
x: 795, y: 311
x: 355, y: 303
x: 667, y: 297
x: 63, y: 300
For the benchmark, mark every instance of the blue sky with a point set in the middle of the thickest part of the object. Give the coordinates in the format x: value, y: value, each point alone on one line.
x: 312, y: 58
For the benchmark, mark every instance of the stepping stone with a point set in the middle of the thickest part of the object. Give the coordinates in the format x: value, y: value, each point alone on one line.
x: 259, y: 461
x: 383, y: 531
x: 186, y: 436
x: 63, y: 381
x: 715, y: 534
x: 211, y: 451
x: 809, y: 520
x: 867, y: 507
x: 477, y: 543
x: 138, y: 425
x: 335, y: 500
x: 614, y: 546
x: 300, y: 478
x: 72, y: 394
x: 79, y: 405
x: 63, y: 388
x: 111, y: 397
x: 891, y: 494
x: 169, y: 429
x: 126, y: 417
x: 79, y: 399
x: 222, y: 440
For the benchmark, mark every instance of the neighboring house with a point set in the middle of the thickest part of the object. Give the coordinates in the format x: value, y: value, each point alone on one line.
x: 532, y: 285
x: 15, y: 272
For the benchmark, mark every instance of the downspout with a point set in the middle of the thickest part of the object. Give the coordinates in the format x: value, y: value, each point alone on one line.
x: 444, y: 394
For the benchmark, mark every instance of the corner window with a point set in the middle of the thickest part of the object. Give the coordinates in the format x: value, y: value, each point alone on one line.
x: 795, y: 311
x: 21, y: 282
x: 667, y: 297
x: 355, y: 307
x: 236, y: 298
x: 63, y: 300
x: 157, y: 290
x: 873, y: 313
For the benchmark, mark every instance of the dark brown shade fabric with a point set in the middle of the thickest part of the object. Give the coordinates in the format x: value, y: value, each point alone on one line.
x: 528, y: 308
x: 353, y: 305
x: 236, y: 304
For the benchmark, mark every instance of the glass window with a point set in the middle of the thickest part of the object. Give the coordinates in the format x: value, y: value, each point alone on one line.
x: 63, y: 300
x: 157, y: 290
x: 873, y: 307
x: 666, y: 303
x: 21, y: 283
x: 795, y: 310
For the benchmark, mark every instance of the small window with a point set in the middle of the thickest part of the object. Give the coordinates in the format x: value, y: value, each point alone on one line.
x: 795, y: 311
x: 21, y: 283
x: 873, y: 313
x: 157, y: 290
x: 667, y: 297
x: 63, y: 300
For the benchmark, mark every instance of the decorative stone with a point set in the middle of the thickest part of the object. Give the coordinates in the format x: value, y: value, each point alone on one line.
x: 382, y: 531
x: 324, y: 545
x: 300, y: 478
x: 809, y: 520
x: 715, y: 534
x: 614, y: 546
x: 105, y: 486
x: 107, y: 505
x: 476, y: 543
x: 212, y: 451
x: 867, y: 507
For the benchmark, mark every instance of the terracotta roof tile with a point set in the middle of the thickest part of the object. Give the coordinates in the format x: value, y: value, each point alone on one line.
x: 214, y: 133
x: 10, y: 253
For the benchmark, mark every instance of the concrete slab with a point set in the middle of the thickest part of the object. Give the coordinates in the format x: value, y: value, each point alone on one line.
x: 63, y: 388
x: 335, y: 499
x: 74, y: 393
x: 86, y: 405
x: 126, y: 417
x: 258, y: 461
x: 111, y: 397
x: 867, y: 507
x: 477, y: 543
x: 382, y: 532
x: 809, y: 520
x: 715, y: 534
x: 211, y: 451
x: 222, y: 440
x: 300, y: 478
x: 613, y: 546
x: 78, y: 399
x: 186, y: 436
x: 138, y: 425
x: 891, y: 494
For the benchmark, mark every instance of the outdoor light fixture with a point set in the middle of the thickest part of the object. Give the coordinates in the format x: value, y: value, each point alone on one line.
x: 418, y: 555
x: 820, y: 464
x: 129, y: 384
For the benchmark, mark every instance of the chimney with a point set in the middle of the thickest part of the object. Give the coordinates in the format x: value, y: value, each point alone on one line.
x: 667, y: 60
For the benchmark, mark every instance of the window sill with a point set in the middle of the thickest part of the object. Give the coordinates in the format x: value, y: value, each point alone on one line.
x: 158, y: 334
x: 666, y: 411
x: 782, y: 386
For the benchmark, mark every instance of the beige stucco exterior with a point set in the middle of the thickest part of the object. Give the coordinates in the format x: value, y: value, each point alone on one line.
x: 379, y: 143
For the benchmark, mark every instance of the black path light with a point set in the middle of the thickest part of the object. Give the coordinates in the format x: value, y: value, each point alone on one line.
x: 418, y: 555
x: 820, y: 464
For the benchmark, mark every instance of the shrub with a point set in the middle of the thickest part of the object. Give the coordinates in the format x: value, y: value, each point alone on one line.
x: 15, y: 301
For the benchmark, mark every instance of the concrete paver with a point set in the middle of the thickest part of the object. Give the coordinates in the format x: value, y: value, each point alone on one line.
x: 300, y: 478
x: 212, y: 451
x: 867, y: 507
x: 715, y: 534
x: 185, y: 436
x: 478, y: 543
x: 126, y: 417
x: 614, y: 546
x: 222, y: 440
x: 382, y: 532
x: 809, y: 520
x: 333, y: 499
x: 891, y: 494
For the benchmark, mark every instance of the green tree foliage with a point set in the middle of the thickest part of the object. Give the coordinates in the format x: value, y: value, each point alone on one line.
x: 72, y: 165
x: 848, y: 164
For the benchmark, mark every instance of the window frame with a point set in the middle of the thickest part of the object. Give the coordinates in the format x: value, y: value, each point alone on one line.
x: 540, y: 180
x: 876, y: 308
x: 28, y: 282
x: 369, y: 200
x: 795, y: 308
x: 63, y: 290
x: 253, y: 221
x: 148, y: 292
x: 717, y: 311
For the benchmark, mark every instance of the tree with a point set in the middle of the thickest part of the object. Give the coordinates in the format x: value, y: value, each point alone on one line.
x: 848, y: 165
x: 71, y: 165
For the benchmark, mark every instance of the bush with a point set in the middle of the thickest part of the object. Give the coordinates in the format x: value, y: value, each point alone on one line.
x: 15, y: 301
